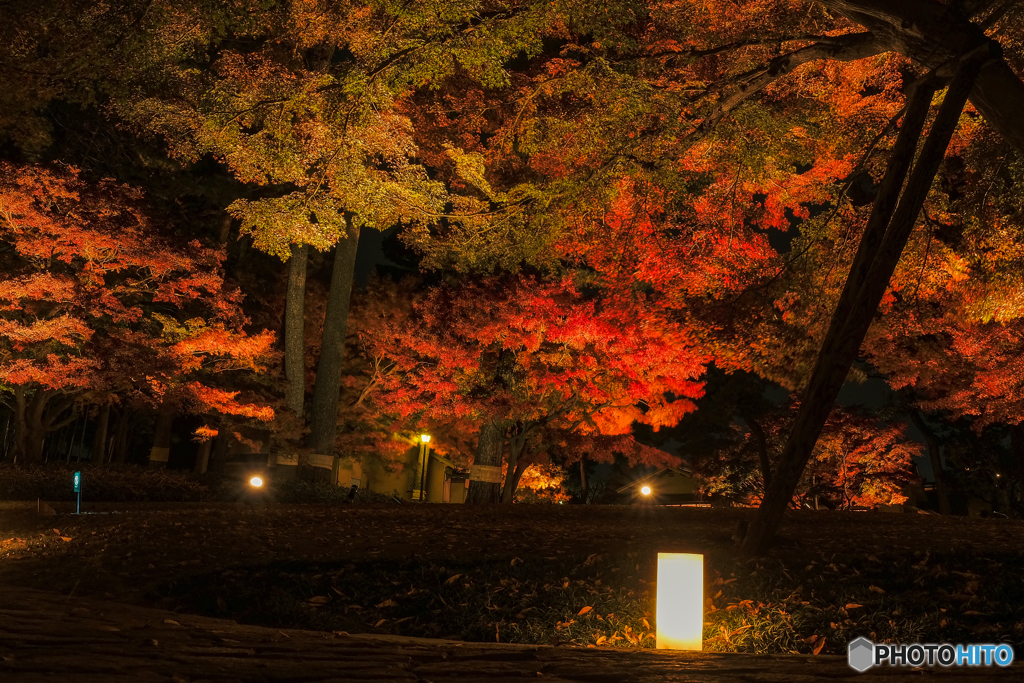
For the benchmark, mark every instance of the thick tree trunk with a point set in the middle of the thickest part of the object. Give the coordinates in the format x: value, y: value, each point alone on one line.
x: 294, y: 324
x: 932, y: 34
x: 202, y: 457
x: 324, y: 408
x: 161, y: 450
x: 865, y: 286
x: 935, y: 458
x: 517, y: 464
x: 119, y: 441
x: 99, y: 440
x: 488, y: 452
x: 219, y: 452
x: 584, y: 481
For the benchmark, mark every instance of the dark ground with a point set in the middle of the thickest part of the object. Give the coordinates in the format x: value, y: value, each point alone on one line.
x: 532, y: 574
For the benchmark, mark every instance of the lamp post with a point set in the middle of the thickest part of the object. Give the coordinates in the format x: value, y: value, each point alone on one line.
x: 424, y: 459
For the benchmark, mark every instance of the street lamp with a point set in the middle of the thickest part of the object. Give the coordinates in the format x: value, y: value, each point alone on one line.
x: 424, y: 459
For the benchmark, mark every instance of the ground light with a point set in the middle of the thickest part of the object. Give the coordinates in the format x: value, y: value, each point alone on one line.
x: 646, y: 490
x: 256, y: 482
x: 680, y: 605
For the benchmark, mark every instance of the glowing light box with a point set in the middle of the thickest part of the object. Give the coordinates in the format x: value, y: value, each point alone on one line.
x: 680, y: 606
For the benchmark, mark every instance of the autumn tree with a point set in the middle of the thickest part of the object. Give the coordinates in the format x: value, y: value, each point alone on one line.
x: 537, y: 366
x: 96, y: 303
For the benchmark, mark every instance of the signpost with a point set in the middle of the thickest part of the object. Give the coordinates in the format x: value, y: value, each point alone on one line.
x: 78, y: 490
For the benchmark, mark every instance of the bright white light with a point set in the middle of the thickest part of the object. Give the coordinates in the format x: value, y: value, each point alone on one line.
x: 680, y: 608
x: 256, y: 481
x: 646, y: 490
x: 425, y: 438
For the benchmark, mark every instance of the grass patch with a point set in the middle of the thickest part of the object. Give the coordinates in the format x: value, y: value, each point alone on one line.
x: 770, y: 606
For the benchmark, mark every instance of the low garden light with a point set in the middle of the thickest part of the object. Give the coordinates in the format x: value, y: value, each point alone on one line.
x: 256, y: 482
x: 646, y: 490
x: 680, y: 603
x: 425, y: 438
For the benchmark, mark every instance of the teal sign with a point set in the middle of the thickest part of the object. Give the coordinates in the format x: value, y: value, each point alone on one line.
x: 78, y: 482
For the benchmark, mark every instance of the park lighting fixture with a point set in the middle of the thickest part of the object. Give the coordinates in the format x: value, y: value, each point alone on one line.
x: 256, y: 482
x: 425, y: 438
x: 680, y: 605
x: 646, y: 490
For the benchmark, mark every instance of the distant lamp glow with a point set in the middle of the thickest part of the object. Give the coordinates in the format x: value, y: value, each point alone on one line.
x: 646, y: 490
x: 680, y: 607
x: 425, y: 438
x: 256, y: 481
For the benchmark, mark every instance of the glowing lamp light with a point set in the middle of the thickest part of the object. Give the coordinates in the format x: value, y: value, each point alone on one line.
x: 646, y: 490
x: 256, y: 481
x: 680, y: 607
x: 425, y: 438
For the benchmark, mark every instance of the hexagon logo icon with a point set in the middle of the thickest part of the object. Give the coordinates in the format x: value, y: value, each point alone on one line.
x: 861, y: 654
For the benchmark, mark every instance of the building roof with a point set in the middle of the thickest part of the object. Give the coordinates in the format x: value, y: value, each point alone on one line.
x: 655, y: 475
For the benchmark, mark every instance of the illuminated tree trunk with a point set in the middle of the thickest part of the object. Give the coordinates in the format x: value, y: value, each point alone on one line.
x: 935, y: 33
x: 488, y: 452
x: 99, y: 441
x: 294, y: 324
x: 517, y: 464
x: 884, y: 237
x: 326, y: 391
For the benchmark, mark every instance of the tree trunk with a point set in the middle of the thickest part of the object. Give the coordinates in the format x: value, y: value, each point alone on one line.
x: 327, y: 388
x: 294, y: 324
x: 1016, y: 484
x: 584, y: 482
x: 99, y: 440
x: 935, y: 457
x: 516, y: 447
x: 761, y: 442
x: 119, y: 441
x: 866, y: 284
x: 932, y: 34
x: 488, y: 452
x: 202, y: 457
x: 161, y: 451
x: 219, y: 451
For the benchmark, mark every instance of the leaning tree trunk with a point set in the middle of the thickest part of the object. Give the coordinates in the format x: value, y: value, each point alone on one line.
x: 935, y: 458
x: 884, y: 237
x: 517, y: 464
x: 294, y: 324
x: 934, y: 34
x: 488, y: 453
x: 326, y: 390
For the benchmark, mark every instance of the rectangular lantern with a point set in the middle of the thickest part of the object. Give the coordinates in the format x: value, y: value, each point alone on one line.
x: 680, y: 608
